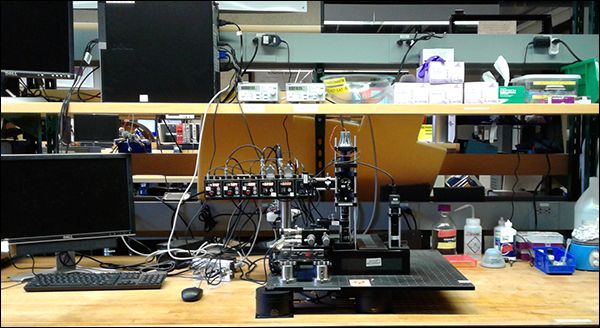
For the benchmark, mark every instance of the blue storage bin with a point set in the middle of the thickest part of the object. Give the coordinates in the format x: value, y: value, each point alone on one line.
x: 542, y: 262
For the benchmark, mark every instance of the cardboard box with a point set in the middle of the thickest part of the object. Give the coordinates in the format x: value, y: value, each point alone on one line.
x: 411, y: 93
x: 511, y: 94
x: 481, y: 93
x: 437, y: 94
x: 454, y: 93
x: 446, y: 94
x: 444, y: 73
x: 447, y: 54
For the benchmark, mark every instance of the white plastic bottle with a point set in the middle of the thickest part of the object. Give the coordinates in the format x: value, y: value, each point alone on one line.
x: 473, y: 238
x: 506, y: 244
x: 472, y: 234
x: 497, y: 230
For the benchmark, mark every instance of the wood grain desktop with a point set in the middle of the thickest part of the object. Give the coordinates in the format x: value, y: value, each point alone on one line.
x: 518, y: 295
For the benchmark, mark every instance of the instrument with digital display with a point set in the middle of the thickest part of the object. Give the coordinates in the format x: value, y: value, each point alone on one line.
x: 258, y: 92
x: 305, y: 92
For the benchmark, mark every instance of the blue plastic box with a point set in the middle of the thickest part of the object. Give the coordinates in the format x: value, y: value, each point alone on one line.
x: 542, y: 262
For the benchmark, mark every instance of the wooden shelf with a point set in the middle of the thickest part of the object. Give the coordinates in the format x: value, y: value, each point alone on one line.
x: 150, y: 109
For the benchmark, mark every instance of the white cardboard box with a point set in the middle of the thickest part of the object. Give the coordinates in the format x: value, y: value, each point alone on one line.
x: 481, y: 92
x: 444, y: 73
x: 454, y: 93
x: 447, y: 54
x: 446, y: 93
x: 411, y: 93
x: 437, y: 94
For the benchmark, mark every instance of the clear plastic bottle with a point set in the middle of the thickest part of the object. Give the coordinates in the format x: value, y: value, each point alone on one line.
x: 497, y: 231
x: 586, y: 207
x: 443, y: 235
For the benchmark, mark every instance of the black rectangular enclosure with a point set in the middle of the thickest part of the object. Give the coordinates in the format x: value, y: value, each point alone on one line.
x: 158, y: 51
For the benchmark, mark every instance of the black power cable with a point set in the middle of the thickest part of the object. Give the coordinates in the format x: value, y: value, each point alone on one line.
x: 411, y: 43
x: 568, y: 48
x: 81, y: 83
x: 512, y: 197
x: 179, y: 215
x: 287, y: 45
x: 223, y: 22
x: 287, y: 139
x: 537, y: 187
x: 64, y: 130
x: 243, y: 71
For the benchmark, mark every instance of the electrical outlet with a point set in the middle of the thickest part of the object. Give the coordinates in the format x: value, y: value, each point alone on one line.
x: 548, y: 215
x: 554, y: 47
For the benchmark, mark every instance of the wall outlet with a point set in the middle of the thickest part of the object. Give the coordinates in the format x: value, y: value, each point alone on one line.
x: 548, y: 215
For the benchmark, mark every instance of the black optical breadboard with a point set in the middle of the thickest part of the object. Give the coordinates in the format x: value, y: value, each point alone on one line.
x: 429, y: 270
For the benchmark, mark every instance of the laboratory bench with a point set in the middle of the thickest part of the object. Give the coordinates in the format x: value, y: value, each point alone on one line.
x: 513, y: 296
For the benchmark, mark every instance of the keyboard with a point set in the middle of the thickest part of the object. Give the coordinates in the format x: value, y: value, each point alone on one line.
x: 75, y: 281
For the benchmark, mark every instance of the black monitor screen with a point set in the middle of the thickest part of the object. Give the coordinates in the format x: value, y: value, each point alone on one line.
x: 58, y: 197
x: 96, y: 127
x: 37, y: 38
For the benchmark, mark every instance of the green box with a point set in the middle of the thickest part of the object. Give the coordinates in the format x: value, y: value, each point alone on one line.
x: 512, y: 94
x: 588, y: 69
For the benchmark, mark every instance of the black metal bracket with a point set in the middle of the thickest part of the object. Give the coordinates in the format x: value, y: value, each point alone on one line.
x: 320, y: 125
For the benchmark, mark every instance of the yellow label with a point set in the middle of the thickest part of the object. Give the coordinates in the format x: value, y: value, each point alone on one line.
x: 540, y: 96
x: 334, y: 82
x: 451, y: 245
x: 340, y: 89
x: 425, y: 133
x: 554, y: 83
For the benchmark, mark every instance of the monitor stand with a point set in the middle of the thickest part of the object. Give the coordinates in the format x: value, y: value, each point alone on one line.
x: 65, y: 263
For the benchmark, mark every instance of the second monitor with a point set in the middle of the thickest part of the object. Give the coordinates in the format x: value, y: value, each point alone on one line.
x: 64, y: 203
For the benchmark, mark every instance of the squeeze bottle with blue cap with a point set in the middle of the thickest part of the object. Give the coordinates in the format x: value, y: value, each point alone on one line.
x: 472, y: 234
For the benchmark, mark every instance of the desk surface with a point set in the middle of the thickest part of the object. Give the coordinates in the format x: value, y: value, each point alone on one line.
x: 518, y: 295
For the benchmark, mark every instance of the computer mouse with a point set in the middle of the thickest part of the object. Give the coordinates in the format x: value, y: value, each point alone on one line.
x: 191, y: 294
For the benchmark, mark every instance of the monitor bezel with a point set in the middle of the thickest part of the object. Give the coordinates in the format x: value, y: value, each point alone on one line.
x: 79, y: 236
x: 12, y: 73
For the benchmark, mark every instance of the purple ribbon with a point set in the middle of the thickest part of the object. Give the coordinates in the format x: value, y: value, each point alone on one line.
x: 425, y: 67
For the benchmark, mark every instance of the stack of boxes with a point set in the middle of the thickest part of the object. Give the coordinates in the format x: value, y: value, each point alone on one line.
x: 444, y: 83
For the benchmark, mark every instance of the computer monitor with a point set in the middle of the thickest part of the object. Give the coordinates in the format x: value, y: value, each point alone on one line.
x: 61, y: 203
x: 37, y: 39
x: 96, y: 128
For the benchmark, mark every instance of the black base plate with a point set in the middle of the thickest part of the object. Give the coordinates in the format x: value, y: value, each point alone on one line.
x: 428, y: 270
